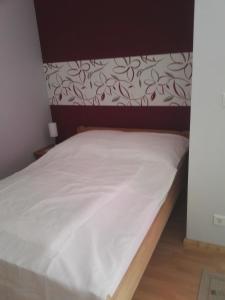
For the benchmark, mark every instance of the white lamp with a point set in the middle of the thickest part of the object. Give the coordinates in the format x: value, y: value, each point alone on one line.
x: 52, y: 127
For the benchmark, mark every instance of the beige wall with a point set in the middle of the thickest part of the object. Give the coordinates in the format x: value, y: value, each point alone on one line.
x: 206, y: 191
x: 24, y: 111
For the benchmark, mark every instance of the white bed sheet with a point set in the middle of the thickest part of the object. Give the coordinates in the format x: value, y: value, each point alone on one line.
x: 71, y: 222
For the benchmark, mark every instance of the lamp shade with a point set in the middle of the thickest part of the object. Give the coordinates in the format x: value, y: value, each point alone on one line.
x: 52, y: 127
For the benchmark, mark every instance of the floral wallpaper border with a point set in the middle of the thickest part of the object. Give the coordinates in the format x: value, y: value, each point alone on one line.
x: 152, y: 80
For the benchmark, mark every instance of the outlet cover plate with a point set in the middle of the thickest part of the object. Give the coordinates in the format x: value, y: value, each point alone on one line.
x: 218, y: 220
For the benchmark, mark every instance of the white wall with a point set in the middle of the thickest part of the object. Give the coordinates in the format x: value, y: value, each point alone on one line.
x: 24, y: 111
x: 206, y: 191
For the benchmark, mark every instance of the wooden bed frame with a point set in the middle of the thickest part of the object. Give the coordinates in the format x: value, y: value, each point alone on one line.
x: 163, y: 119
x: 132, y: 277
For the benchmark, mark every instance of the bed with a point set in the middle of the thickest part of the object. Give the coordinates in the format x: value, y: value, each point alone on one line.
x: 125, y: 185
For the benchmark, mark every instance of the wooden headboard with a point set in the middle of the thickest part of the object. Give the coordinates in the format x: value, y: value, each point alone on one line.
x: 69, y: 117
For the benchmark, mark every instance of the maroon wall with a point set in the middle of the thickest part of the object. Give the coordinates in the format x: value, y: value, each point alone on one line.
x: 79, y: 29
x: 68, y: 117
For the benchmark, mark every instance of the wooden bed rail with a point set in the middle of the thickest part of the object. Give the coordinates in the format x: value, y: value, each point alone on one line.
x: 132, y: 277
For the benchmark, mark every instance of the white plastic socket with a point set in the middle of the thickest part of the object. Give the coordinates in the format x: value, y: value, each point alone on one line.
x: 219, y: 220
x: 223, y: 100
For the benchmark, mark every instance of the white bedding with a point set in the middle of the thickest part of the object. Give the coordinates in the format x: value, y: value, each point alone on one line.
x: 72, y: 221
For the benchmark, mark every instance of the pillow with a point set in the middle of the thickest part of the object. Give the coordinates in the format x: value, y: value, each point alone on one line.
x: 151, y: 146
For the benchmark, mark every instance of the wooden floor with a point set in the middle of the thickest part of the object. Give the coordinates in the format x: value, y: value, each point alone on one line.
x: 174, y: 272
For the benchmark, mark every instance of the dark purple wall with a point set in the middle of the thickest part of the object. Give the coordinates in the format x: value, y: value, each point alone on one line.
x: 76, y: 29
x: 68, y: 117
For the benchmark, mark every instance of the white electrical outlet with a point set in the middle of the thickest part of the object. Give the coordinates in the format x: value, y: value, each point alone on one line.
x: 219, y: 220
x: 223, y: 100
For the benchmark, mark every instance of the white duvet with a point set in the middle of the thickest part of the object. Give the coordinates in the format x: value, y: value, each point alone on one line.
x: 71, y: 222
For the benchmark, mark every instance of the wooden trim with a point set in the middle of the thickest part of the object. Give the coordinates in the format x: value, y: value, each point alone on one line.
x: 202, y: 246
x: 130, y: 281
x: 40, y: 152
x: 82, y: 128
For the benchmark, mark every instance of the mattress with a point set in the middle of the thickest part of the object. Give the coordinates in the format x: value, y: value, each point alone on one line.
x: 71, y: 222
